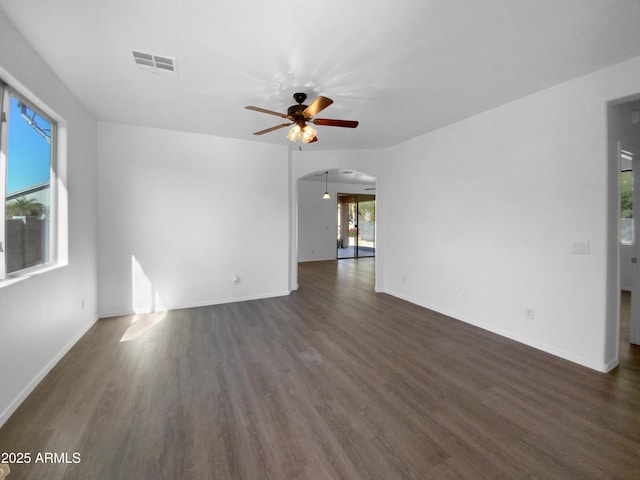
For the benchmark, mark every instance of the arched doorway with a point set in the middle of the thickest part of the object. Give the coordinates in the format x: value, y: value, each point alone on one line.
x: 316, y: 219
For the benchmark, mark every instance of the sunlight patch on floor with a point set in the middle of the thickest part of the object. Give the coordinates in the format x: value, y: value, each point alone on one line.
x: 141, y: 324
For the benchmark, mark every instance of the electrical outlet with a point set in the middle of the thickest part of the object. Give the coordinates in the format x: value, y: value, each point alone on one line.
x: 528, y: 313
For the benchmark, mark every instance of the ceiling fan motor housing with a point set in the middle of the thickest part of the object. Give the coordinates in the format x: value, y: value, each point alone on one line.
x: 295, y: 111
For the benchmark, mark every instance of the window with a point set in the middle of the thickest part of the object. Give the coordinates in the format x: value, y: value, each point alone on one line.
x: 27, y: 171
x: 626, y: 198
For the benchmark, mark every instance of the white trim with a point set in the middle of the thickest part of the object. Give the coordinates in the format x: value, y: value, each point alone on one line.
x: 199, y: 303
x: 4, y: 132
x: 601, y: 367
x: 28, y: 273
x: 30, y: 387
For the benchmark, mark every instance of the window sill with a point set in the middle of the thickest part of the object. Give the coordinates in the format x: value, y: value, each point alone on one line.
x: 26, y: 274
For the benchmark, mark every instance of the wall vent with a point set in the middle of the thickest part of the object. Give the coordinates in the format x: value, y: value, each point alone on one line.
x: 154, y: 63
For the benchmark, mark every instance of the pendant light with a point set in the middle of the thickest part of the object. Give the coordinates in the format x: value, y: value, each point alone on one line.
x: 326, y: 195
x: 306, y: 133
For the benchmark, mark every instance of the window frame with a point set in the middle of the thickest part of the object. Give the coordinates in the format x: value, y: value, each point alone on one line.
x: 51, y: 257
x: 633, y: 236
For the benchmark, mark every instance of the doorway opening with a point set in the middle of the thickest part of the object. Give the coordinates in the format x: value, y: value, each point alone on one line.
x: 628, y: 157
x: 356, y: 223
x: 623, y: 131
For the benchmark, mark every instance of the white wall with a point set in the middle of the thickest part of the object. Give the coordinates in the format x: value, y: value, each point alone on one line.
x: 194, y: 210
x: 485, y: 212
x: 42, y: 317
x: 318, y: 219
x: 316, y: 222
x: 625, y: 267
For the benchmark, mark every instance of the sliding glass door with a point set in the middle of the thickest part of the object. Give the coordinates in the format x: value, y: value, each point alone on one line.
x: 356, y: 225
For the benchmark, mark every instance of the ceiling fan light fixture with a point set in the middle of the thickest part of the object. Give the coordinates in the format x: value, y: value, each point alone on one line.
x: 294, y: 133
x: 308, y: 134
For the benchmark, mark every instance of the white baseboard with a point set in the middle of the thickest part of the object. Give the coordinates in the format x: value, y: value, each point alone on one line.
x: 611, y: 365
x: 26, y: 391
x: 220, y: 301
x: 200, y: 303
x: 600, y: 367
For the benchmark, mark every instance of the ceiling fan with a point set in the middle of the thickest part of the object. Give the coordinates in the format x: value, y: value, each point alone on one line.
x: 299, y: 115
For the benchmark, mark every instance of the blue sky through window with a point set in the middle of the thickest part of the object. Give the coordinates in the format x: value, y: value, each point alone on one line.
x: 28, y: 151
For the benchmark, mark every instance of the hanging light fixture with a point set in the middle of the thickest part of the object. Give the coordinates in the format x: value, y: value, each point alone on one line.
x: 326, y: 195
x: 294, y: 133
x: 307, y: 133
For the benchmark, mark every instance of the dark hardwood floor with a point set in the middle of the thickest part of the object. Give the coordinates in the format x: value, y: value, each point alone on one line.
x: 331, y: 382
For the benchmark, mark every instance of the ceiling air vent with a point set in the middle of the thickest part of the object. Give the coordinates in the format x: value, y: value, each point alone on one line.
x: 155, y: 63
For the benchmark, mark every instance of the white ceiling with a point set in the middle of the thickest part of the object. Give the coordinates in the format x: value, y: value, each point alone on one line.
x: 340, y: 175
x: 400, y: 67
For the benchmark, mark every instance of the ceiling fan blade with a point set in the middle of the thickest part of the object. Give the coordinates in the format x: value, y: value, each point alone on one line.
x: 270, y: 112
x: 335, y: 123
x: 317, y: 106
x: 267, y: 130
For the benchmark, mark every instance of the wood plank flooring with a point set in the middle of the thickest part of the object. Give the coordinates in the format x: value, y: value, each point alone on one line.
x: 331, y: 382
